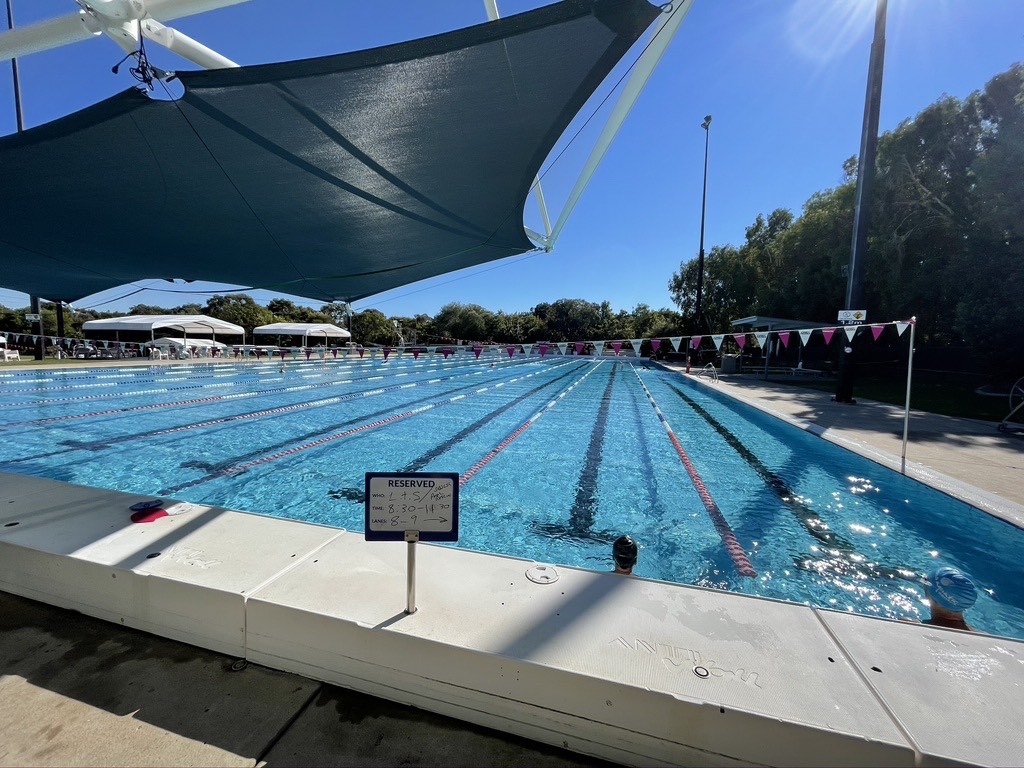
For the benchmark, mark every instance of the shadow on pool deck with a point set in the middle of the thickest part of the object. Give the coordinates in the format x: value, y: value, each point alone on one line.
x: 79, y: 691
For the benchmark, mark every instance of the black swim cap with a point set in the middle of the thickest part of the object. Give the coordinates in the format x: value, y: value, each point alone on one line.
x: 624, y: 552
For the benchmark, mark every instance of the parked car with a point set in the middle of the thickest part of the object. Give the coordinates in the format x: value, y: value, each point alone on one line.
x: 84, y: 352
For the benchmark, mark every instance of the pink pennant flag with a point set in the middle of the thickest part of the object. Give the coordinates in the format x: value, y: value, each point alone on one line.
x: 510, y: 350
x: 387, y: 351
x: 446, y: 351
x: 282, y: 354
x: 543, y: 349
x: 655, y: 344
x: 827, y: 333
x: 334, y: 352
x: 361, y: 351
x: 579, y: 347
x: 308, y: 353
x: 416, y: 354
x: 740, y: 338
x: 876, y: 331
x: 784, y: 338
x: 477, y: 351
x: 617, y: 346
x: 695, y: 342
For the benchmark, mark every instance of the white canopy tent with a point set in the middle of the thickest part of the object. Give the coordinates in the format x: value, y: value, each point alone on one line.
x: 305, y: 330
x: 187, y: 324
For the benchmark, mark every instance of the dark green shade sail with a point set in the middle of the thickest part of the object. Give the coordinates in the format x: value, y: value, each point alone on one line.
x: 329, y: 178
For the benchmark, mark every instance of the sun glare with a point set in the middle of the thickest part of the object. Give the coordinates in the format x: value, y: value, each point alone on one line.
x: 823, y: 32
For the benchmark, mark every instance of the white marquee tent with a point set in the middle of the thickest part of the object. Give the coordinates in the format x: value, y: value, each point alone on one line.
x: 196, y: 325
x: 305, y: 330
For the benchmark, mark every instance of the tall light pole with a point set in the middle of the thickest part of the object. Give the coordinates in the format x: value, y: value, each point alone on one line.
x: 865, y: 183
x: 697, y: 322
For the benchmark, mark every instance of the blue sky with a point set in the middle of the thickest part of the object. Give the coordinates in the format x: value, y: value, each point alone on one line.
x: 784, y: 80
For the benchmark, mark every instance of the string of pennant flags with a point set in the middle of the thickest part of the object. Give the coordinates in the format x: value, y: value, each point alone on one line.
x: 785, y: 337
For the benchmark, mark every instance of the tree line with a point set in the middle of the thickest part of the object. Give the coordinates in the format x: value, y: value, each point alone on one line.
x: 562, y: 320
x: 946, y: 241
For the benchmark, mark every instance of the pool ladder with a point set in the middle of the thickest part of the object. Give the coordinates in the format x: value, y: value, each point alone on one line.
x: 709, y: 371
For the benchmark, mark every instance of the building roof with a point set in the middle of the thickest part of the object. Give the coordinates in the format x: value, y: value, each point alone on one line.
x: 765, y: 323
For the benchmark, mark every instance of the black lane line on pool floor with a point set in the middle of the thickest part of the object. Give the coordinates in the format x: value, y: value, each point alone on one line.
x: 732, y: 545
x: 810, y: 520
x: 359, y: 494
x: 472, y: 472
x: 847, y: 557
x: 237, y: 464
x: 584, y: 507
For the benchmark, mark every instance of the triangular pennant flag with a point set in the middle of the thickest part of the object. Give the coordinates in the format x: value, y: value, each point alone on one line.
x: 599, y: 347
x: 695, y: 342
x: 655, y: 344
x: 563, y: 346
x: 543, y: 349
x: 387, y: 352
x: 617, y: 346
x: 34, y: 339
x: 740, y: 339
x: 761, y: 337
x: 636, y: 344
x: 805, y: 336
x: 477, y: 351
x: 416, y: 353
x: 851, y: 330
x: 901, y: 327
x: 718, y: 338
x: 53, y: 340
x: 308, y: 353
x: 579, y: 347
x: 511, y: 351
x: 527, y: 349
x: 334, y: 351
x: 361, y: 351
x: 784, y: 338
x: 446, y: 351
x: 827, y: 333
x: 431, y: 351
x: 676, y: 341
x: 876, y: 331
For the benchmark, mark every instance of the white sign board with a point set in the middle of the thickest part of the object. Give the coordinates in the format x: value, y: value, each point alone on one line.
x: 853, y: 316
x: 397, y: 502
x: 33, y: 318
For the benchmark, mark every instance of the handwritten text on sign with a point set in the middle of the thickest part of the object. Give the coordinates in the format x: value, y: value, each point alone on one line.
x: 427, y: 502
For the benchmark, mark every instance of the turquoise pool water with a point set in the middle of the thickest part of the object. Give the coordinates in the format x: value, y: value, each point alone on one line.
x: 558, y: 456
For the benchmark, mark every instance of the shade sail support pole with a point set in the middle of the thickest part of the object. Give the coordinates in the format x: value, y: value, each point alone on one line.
x: 644, y: 68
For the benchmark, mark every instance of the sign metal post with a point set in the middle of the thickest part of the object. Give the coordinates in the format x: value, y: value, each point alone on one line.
x: 411, y: 507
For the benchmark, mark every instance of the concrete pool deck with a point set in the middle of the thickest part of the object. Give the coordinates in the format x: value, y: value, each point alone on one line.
x: 606, y: 665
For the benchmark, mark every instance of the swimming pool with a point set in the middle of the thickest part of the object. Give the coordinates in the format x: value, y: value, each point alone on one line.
x: 558, y: 456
